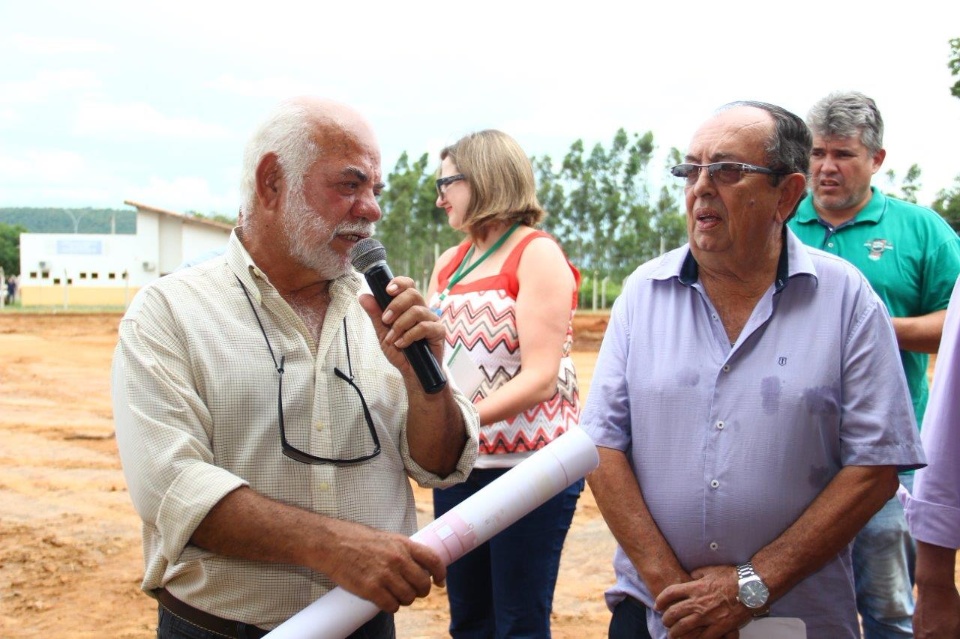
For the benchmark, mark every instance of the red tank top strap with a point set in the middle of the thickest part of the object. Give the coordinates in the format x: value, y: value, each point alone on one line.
x: 448, y: 269
x: 512, y: 264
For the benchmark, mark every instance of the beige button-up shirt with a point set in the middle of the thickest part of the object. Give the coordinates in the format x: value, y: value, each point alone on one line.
x: 195, y: 402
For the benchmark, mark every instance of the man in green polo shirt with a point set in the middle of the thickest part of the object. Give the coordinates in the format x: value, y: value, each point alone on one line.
x: 911, y: 257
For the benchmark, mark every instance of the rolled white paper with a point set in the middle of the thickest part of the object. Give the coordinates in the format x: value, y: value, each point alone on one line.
x: 472, y: 522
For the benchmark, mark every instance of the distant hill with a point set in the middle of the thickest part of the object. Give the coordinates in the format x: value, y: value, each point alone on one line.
x: 88, y: 220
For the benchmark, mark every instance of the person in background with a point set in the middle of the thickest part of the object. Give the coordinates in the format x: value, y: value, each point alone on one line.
x: 11, y: 289
x: 741, y: 450
x: 506, y: 297
x: 267, y: 420
x: 933, y: 511
x: 911, y: 257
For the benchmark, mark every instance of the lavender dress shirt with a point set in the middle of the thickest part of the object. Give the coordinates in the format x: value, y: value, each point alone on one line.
x: 933, y: 513
x: 731, y: 443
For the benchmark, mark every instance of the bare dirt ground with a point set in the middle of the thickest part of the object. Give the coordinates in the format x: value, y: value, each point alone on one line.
x: 70, y: 559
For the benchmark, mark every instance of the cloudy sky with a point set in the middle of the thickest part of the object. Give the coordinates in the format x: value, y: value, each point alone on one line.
x: 101, y: 102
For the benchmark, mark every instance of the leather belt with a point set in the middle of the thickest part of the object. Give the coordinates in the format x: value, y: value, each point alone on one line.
x: 206, y: 621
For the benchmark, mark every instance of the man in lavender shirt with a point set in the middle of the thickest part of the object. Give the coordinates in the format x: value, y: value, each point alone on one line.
x: 749, y: 404
x: 933, y: 512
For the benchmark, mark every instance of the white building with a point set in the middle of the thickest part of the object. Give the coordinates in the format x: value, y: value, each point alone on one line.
x: 86, y: 269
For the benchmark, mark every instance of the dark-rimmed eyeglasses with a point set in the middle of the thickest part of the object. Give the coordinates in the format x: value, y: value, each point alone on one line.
x: 443, y: 182
x: 726, y: 173
x: 288, y: 449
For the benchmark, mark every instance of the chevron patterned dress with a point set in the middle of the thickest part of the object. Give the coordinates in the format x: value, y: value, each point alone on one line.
x: 480, y: 316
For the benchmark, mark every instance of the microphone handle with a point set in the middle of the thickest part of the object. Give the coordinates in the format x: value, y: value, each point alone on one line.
x: 419, y: 355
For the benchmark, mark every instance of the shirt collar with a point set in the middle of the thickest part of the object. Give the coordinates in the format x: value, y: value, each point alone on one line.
x: 794, y: 260
x: 872, y: 212
x: 242, y: 264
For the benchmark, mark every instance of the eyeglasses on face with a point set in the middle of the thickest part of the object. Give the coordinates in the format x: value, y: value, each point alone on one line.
x: 443, y: 182
x: 726, y: 173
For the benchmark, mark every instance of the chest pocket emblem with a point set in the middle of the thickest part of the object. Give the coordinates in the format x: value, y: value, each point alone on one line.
x: 877, y: 247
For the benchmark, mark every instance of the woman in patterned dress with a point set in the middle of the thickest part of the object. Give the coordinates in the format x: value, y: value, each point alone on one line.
x: 506, y: 296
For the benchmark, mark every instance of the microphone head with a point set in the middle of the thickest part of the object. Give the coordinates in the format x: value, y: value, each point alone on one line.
x: 366, y: 253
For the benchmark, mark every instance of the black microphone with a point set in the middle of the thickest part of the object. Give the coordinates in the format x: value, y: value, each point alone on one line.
x: 370, y: 258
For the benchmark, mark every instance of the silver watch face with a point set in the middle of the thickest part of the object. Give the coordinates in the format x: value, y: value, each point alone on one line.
x: 754, y: 593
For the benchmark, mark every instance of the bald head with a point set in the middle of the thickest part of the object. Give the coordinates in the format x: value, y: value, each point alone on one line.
x: 790, y: 141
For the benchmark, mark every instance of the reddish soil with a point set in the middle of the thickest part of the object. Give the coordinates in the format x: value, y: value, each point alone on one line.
x: 70, y: 558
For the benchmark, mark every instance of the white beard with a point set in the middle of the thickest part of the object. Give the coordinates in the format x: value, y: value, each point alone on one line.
x: 309, y: 236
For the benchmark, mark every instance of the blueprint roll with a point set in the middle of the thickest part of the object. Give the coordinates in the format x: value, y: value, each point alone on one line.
x: 472, y: 522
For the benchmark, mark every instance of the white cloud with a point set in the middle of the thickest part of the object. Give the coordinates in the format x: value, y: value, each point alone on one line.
x: 46, y: 84
x: 55, y: 177
x: 49, y: 166
x: 8, y: 117
x: 558, y: 74
x: 276, y: 87
x: 56, y: 46
x: 181, y: 194
x: 119, y: 120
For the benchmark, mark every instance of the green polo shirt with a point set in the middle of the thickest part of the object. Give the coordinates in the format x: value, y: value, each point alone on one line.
x: 908, y: 253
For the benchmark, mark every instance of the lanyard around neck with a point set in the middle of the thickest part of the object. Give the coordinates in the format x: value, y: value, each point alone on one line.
x: 463, y: 270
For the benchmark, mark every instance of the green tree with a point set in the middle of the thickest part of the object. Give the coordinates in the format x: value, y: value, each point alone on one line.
x: 605, y: 205
x: 216, y: 217
x: 413, y: 230
x: 954, y: 65
x: 552, y: 198
x: 85, y: 220
x: 10, y: 248
x: 669, y: 213
x: 908, y: 187
x: 947, y: 204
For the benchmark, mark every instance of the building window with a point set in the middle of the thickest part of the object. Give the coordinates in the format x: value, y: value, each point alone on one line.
x: 83, y: 276
x: 56, y: 281
x: 94, y: 276
x: 33, y: 275
x: 111, y: 276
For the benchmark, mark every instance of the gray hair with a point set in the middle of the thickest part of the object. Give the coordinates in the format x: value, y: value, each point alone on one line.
x: 288, y: 133
x: 847, y: 114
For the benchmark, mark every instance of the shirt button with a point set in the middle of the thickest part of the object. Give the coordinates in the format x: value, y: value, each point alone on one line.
x: 714, y: 484
x: 714, y: 545
x: 324, y: 485
x: 720, y: 425
x: 726, y: 368
x: 830, y: 244
x: 319, y: 426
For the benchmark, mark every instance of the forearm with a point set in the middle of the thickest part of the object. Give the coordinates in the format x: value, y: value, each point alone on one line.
x: 938, y: 603
x: 935, y: 566
x: 247, y: 525
x: 436, y: 428
x: 920, y: 334
x: 830, y: 523
x: 386, y: 568
x: 621, y: 503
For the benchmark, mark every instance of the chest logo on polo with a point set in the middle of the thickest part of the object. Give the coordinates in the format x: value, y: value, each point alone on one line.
x: 877, y: 248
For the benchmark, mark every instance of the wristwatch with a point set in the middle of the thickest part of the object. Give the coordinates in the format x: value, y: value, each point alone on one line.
x: 753, y: 592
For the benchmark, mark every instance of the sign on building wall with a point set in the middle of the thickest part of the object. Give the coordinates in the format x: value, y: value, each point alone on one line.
x: 79, y: 247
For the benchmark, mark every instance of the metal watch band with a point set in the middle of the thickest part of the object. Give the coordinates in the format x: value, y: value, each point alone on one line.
x: 745, y: 570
